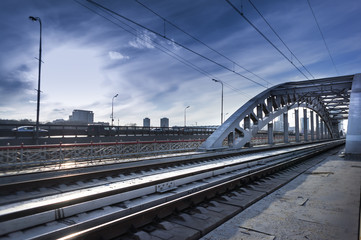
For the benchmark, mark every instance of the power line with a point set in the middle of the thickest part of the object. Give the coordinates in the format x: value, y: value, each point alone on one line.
x: 175, y: 42
x: 201, y: 42
x: 161, y: 48
x: 156, y: 45
x: 269, y: 41
x: 274, y: 31
x: 323, y: 38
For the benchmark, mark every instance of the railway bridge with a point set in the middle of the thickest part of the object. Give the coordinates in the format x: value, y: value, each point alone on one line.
x: 325, y: 103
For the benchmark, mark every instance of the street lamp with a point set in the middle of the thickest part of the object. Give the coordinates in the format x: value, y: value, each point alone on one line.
x: 116, y: 95
x: 219, y: 81
x: 34, y: 19
x: 185, y: 119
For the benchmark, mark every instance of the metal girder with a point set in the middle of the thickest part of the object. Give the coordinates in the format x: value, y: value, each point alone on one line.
x: 316, y: 89
x: 334, y: 101
x: 328, y: 97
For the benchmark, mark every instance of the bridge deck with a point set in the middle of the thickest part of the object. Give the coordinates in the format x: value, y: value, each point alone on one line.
x: 322, y: 203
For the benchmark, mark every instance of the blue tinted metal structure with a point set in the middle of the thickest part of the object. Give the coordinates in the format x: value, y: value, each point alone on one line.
x: 353, y: 138
x: 329, y: 98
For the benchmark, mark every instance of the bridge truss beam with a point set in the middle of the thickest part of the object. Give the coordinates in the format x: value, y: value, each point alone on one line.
x: 329, y: 98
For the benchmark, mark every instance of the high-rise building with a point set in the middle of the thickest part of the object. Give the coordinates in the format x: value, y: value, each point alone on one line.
x: 82, y: 116
x: 164, y: 122
x: 146, y: 122
x: 278, y: 124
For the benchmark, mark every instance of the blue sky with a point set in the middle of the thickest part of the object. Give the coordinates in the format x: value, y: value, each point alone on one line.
x: 88, y: 59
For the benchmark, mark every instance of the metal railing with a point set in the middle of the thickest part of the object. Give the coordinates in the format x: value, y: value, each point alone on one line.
x: 21, y: 157
x: 24, y: 157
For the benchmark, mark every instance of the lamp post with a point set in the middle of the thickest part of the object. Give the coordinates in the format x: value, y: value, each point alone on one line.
x: 37, y: 19
x: 219, y: 81
x: 185, y: 118
x: 116, y: 95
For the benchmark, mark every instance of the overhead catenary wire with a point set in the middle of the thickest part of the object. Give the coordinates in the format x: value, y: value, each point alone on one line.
x: 200, y: 41
x: 323, y: 37
x: 161, y: 48
x: 175, y: 42
x: 155, y: 44
x: 274, y: 31
x: 281, y: 41
x: 264, y: 36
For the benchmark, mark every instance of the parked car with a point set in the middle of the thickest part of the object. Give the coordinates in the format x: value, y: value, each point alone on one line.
x: 27, y: 131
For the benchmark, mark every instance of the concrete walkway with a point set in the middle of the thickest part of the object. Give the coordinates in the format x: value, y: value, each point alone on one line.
x: 322, y: 203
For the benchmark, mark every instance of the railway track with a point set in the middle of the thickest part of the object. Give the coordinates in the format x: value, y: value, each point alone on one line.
x: 107, y: 203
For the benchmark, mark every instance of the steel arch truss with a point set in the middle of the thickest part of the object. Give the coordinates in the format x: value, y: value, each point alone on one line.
x: 328, y: 97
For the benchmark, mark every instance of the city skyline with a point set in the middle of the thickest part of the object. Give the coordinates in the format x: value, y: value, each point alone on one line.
x: 88, y: 59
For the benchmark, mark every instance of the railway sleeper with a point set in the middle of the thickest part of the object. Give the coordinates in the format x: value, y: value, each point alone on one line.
x: 195, y: 215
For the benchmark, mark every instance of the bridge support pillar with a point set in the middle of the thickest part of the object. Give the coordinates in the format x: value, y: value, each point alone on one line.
x: 285, y: 127
x: 335, y: 129
x: 317, y: 127
x: 297, y: 126
x: 325, y: 130
x: 305, y: 125
x: 321, y: 126
x: 327, y: 133
x: 270, y: 133
x: 312, y: 126
x: 353, y: 137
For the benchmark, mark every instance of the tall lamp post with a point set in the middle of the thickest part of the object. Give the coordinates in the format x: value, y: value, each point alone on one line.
x: 116, y: 95
x: 219, y: 81
x: 185, y: 116
x: 37, y: 19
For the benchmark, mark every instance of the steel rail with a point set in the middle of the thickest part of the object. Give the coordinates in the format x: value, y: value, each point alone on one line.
x: 190, y: 171
x: 114, y: 227
x: 35, y: 185
x: 56, y: 175
x: 8, y: 219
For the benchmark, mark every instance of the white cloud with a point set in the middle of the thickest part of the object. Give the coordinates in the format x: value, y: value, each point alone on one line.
x: 117, y: 55
x: 173, y: 44
x: 143, y: 40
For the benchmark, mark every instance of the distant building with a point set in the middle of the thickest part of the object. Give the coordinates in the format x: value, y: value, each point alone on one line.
x: 146, y: 122
x: 59, y: 121
x: 278, y: 124
x: 82, y: 116
x: 292, y: 129
x: 164, y: 122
